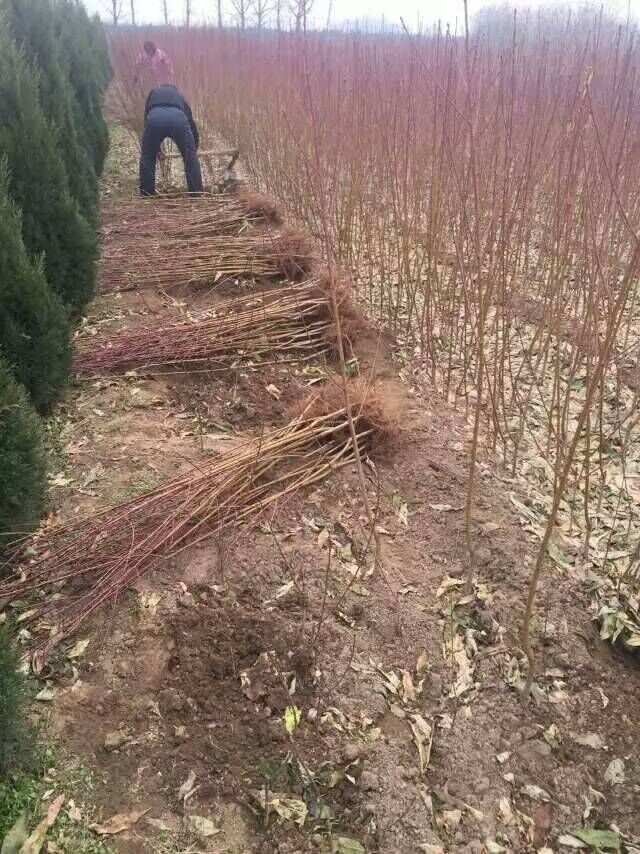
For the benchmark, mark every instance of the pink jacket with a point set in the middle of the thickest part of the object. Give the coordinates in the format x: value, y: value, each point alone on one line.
x: 159, y: 66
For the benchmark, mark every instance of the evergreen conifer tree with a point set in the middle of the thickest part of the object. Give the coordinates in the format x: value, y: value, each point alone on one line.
x: 86, y: 62
x: 52, y: 225
x: 34, y: 328
x: 31, y: 24
x: 22, y: 468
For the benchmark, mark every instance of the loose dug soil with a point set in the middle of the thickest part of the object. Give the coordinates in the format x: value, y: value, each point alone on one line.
x: 181, y: 702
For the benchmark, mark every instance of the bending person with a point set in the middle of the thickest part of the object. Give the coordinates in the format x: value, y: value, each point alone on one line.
x: 167, y: 115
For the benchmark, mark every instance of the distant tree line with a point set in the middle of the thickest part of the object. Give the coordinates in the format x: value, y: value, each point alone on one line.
x: 245, y: 14
x: 54, y: 69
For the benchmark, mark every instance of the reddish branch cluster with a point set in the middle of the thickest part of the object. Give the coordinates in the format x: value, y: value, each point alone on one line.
x: 90, y: 562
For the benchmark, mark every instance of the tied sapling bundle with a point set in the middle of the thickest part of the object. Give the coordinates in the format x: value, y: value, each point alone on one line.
x: 205, y: 259
x: 144, y: 222
x: 281, y: 325
x: 77, y: 567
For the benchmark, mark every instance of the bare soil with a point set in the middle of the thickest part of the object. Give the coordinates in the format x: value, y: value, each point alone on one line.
x: 187, y: 681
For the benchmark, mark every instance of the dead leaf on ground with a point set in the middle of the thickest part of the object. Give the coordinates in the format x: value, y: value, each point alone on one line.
x: 552, y: 736
x: 451, y: 819
x: 506, y: 811
x: 289, y: 809
x: 589, y: 739
x: 423, y: 739
x: 46, y: 695
x: 33, y: 845
x: 148, y: 604
x: 187, y: 787
x: 408, y: 688
x: 73, y: 812
x: 118, y: 823
x: 323, y: 537
x: 78, y: 649
x: 292, y: 717
x: 615, y: 773
x: 204, y: 826
x: 535, y: 792
x: 422, y: 663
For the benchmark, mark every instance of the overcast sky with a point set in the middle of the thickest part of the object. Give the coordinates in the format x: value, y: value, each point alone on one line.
x: 448, y: 11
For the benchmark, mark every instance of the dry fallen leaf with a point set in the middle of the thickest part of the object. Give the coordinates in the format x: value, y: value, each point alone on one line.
x: 423, y: 738
x: 33, y: 845
x: 187, y: 787
x: 323, y: 537
x: 46, y: 695
x: 506, y: 811
x: 204, y: 826
x: 451, y: 819
x: 118, y: 823
x: 589, y: 739
x: 568, y: 841
x: 422, y: 663
x: 615, y: 775
x: 78, y: 649
x: 289, y: 809
x: 408, y: 688
x: 552, y: 737
x: 535, y: 792
x: 73, y: 812
x: 475, y: 813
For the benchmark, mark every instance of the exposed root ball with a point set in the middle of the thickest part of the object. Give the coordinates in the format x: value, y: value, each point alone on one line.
x: 260, y: 207
x: 352, y: 320
x: 369, y: 413
x: 294, y: 254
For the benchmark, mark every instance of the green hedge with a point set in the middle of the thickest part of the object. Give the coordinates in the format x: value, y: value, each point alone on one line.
x: 32, y: 25
x: 84, y: 46
x: 22, y: 462
x: 34, y: 328
x: 52, y: 225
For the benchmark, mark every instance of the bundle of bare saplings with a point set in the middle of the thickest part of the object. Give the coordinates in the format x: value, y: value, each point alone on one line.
x: 155, y: 217
x: 283, y: 325
x: 206, y: 258
x: 73, y: 569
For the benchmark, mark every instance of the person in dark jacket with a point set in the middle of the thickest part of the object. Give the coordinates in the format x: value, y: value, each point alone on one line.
x: 167, y: 115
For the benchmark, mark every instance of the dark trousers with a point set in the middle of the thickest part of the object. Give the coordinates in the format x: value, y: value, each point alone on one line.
x: 168, y: 123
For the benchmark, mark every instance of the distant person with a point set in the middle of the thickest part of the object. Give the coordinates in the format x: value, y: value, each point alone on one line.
x: 167, y: 115
x: 155, y: 63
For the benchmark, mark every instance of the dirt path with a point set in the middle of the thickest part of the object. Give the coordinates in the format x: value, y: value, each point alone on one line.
x: 411, y: 735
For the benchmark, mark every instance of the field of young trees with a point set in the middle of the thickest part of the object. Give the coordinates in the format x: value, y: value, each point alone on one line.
x: 333, y: 542
x: 481, y: 192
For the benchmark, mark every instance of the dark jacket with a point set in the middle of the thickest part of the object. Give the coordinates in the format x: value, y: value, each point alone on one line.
x: 169, y: 96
